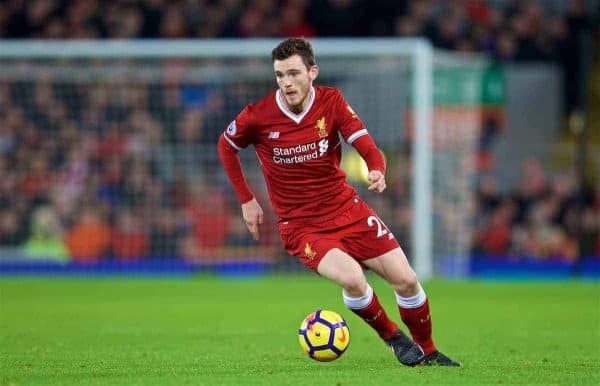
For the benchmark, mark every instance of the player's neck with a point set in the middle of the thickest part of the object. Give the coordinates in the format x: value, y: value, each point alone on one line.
x: 304, y: 105
x: 286, y: 109
x: 297, y: 109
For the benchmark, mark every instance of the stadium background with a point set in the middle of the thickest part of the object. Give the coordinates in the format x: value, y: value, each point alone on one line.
x: 117, y: 173
x: 108, y: 179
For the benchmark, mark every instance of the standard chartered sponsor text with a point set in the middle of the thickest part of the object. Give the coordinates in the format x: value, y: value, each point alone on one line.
x: 296, y: 154
x: 299, y: 149
x: 296, y: 159
x: 299, y: 153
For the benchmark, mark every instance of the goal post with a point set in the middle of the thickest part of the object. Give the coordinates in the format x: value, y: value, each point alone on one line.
x: 342, y: 60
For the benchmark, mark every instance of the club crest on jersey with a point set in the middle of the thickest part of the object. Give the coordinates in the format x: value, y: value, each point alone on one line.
x: 308, y: 252
x: 231, y: 129
x: 322, y: 126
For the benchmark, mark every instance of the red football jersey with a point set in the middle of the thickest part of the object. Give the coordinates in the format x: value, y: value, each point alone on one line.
x: 300, y: 154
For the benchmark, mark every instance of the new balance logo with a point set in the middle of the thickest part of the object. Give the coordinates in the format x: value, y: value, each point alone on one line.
x: 274, y: 135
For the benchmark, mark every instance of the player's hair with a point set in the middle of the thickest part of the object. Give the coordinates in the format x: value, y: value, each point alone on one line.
x: 294, y: 46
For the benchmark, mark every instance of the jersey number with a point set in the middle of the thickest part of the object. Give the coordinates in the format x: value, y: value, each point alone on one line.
x: 381, y: 230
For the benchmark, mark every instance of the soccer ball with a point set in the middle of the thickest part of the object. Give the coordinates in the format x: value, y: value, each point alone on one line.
x: 324, y: 335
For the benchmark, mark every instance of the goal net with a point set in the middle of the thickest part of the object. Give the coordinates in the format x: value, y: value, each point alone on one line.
x: 108, y: 149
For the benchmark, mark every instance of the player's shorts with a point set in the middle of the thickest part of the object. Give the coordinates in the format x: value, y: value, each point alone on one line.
x: 357, y: 231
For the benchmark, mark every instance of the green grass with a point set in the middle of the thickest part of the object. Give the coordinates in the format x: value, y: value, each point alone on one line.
x: 210, y: 331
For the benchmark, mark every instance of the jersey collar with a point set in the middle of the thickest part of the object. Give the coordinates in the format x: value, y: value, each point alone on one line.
x: 293, y: 116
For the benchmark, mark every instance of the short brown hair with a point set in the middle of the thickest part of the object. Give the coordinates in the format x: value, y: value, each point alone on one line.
x: 294, y: 46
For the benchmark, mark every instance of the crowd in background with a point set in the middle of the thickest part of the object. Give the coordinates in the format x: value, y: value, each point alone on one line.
x: 128, y: 172
x: 547, y: 216
x: 119, y: 177
x: 507, y: 30
x: 522, y: 30
x: 82, y: 169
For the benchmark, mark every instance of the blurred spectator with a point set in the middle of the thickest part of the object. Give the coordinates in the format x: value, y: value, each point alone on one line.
x: 89, y: 238
x: 36, y: 178
x: 494, y: 238
x: 129, y: 238
x: 13, y: 230
x: 208, y: 215
x: 173, y: 24
x: 590, y: 224
x: 294, y: 22
x: 46, y: 239
x: 489, y: 195
x: 407, y: 26
x: 532, y: 187
x: 165, y: 234
x: 190, y: 250
x: 335, y: 17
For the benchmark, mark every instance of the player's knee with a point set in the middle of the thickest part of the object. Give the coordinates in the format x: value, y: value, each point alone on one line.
x: 408, y: 285
x: 355, y: 284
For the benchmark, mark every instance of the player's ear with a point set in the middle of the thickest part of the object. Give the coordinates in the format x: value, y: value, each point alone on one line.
x: 313, y: 72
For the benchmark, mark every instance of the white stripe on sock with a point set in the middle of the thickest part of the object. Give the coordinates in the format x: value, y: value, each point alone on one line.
x: 413, y: 301
x: 358, y: 303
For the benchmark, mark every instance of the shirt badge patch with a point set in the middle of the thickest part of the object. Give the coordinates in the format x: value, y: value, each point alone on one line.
x: 274, y: 135
x: 351, y: 111
x: 322, y: 126
x: 231, y: 129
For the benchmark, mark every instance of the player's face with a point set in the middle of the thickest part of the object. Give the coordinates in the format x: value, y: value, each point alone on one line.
x: 294, y: 80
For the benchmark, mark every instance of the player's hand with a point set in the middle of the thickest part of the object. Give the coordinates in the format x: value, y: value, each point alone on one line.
x: 253, y: 217
x: 376, y: 181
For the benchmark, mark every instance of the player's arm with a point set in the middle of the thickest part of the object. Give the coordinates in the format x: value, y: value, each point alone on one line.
x: 251, y: 209
x: 374, y: 159
x: 230, y: 159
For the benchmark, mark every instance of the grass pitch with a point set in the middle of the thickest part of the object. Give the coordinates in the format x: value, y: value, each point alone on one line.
x: 211, y: 331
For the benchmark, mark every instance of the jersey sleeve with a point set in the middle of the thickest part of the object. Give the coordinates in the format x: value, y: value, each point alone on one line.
x: 239, y: 133
x: 370, y: 153
x: 350, y: 125
x: 230, y: 159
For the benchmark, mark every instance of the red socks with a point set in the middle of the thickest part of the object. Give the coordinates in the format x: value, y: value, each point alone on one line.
x: 415, y: 313
x: 371, y: 311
